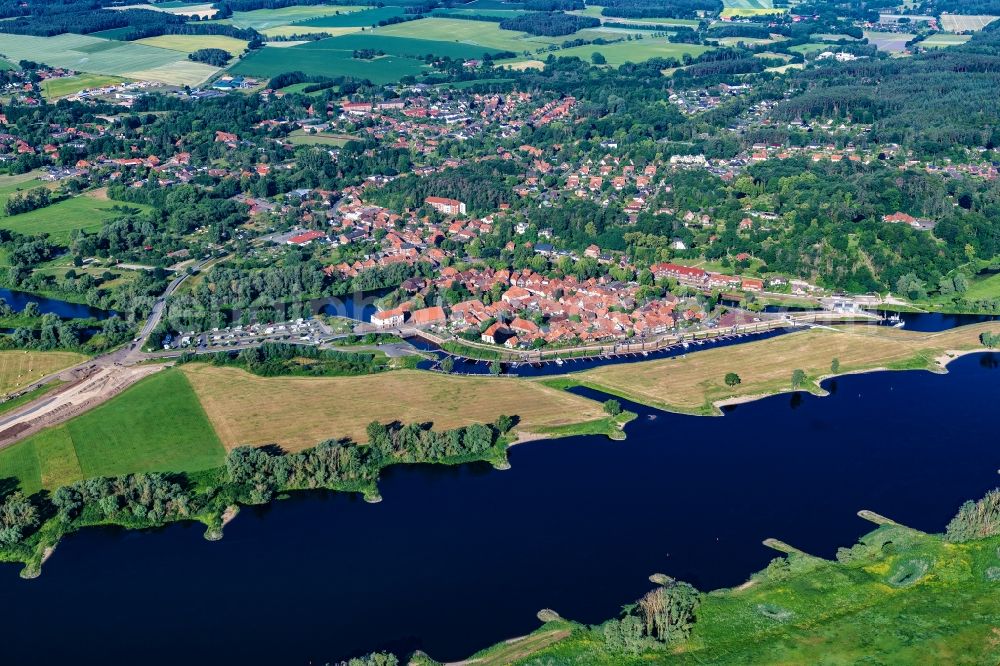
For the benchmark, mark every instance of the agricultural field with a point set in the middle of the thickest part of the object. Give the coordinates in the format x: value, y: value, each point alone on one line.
x: 965, y: 23
x: 157, y: 425
x: 301, y: 29
x: 261, y: 19
x: 594, y: 11
x: 890, y: 42
x: 20, y: 368
x: 826, y: 37
x: 808, y: 48
x: 499, y: 13
x: 744, y: 8
x: 271, y: 62
x: 203, y: 11
x: 84, y: 211
x: 634, y: 51
x: 749, y: 41
x: 477, y: 33
x: 943, y: 40
x: 191, y: 43
x: 397, y: 46
x: 523, y: 65
x: 692, y: 384
x: 247, y: 409
x: 106, y: 56
x: 353, y: 19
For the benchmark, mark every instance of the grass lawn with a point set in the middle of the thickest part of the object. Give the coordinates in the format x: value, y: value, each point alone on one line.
x: 300, y: 412
x: 693, y: 383
x: 157, y: 425
x: 70, y: 85
x: 85, y: 211
x: 20, y: 368
x: 191, y: 43
x: 301, y: 138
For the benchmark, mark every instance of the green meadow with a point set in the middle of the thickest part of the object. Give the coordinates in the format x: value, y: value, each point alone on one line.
x: 158, y: 425
x: 634, y: 51
x: 83, y: 211
x: 70, y: 85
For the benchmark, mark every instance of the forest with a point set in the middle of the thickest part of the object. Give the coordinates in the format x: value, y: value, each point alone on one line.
x: 551, y: 24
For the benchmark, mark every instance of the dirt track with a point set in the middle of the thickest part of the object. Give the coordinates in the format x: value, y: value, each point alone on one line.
x: 91, y: 387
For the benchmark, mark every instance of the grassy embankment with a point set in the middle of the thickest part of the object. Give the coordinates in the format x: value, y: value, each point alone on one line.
x: 901, y: 596
x: 694, y: 384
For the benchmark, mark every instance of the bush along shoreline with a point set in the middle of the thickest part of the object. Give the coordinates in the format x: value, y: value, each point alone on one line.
x: 31, y: 527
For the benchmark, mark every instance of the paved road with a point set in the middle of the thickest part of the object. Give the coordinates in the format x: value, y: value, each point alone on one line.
x: 95, y: 379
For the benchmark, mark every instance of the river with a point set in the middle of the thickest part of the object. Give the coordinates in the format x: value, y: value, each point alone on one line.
x: 66, y: 310
x: 456, y: 558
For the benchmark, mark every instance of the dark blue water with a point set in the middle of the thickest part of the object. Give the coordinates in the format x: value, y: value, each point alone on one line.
x: 470, y: 366
x: 937, y: 321
x: 359, y: 305
x: 455, y: 559
x: 66, y: 310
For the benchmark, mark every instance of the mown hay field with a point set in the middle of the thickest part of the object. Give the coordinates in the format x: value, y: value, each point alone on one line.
x: 20, y: 368
x: 694, y: 382
x: 299, y: 412
x: 191, y: 43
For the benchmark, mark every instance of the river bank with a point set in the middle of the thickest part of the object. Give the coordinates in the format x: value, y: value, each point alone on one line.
x: 525, y: 537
